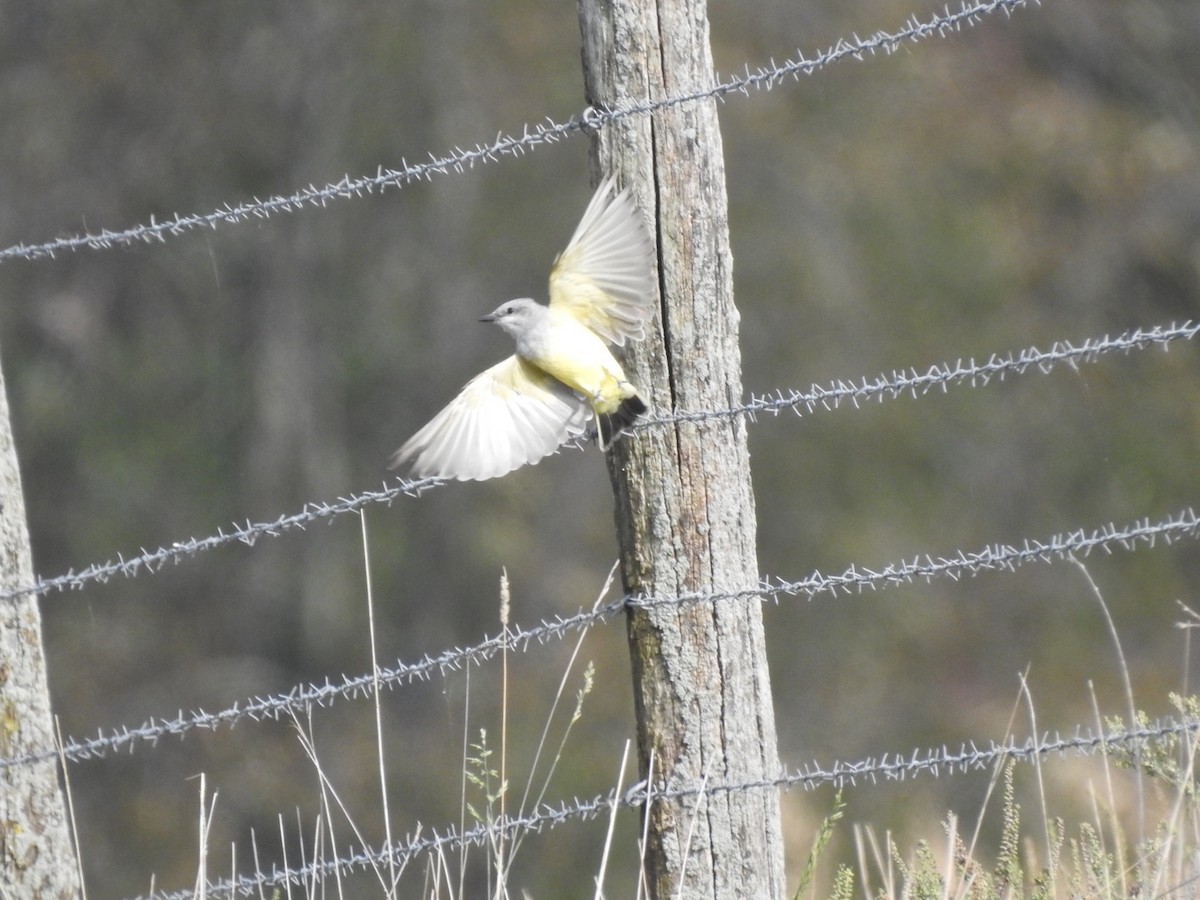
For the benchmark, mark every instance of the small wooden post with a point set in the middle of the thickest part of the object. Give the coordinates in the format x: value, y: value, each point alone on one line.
x: 36, y: 857
x: 684, y: 500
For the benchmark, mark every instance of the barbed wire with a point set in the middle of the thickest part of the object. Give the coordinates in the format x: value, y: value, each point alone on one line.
x: 969, y: 757
x: 151, y: 561
x: 818, y: 398
x: 855, y: 579
x: 507, y: 145
x: 916, y: 383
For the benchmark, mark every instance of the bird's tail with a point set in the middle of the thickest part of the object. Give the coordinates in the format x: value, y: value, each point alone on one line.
x: 612, y: 424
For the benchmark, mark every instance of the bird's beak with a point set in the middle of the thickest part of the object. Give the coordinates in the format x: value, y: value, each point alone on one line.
x: 490, y: 317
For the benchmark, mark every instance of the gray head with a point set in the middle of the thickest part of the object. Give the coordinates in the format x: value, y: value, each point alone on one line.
x: 517, y: 317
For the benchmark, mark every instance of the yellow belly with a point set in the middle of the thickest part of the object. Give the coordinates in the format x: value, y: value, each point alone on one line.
x: 582, y: 361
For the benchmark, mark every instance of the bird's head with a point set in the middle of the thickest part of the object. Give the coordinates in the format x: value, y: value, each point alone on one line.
x: 516, y: 317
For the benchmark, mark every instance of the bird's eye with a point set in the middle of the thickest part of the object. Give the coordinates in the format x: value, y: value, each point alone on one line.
x: 509, y: 310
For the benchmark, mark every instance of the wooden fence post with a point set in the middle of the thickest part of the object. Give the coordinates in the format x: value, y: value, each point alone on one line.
x: 684, y: 501
x: 36, y: 857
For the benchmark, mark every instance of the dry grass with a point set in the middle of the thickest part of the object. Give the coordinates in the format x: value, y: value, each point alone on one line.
x: 1101, y: 858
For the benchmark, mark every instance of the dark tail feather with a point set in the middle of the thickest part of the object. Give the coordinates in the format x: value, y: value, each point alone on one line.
x: 612, y: 424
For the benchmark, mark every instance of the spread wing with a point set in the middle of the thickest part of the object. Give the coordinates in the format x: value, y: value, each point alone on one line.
x: 507, y: 416
x: 605, y: 277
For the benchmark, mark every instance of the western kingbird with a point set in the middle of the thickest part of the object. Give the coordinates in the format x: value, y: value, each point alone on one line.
x: 563, y: 375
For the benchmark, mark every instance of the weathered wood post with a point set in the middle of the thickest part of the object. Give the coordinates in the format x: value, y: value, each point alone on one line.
x: 36, y: 857
x: 684, y: 502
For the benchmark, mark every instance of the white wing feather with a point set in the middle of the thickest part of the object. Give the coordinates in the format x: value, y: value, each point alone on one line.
x: 507, y: 416
x: 605, y: 277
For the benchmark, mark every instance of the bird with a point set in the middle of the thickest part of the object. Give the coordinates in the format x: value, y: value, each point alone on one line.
x: 563, y: 381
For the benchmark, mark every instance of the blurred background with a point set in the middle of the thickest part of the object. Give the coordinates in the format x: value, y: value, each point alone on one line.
x: 1032, y: 179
